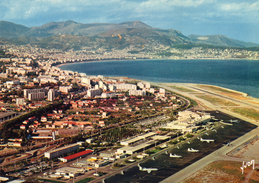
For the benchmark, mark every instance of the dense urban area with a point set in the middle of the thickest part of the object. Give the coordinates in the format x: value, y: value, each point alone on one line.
x: 65, y: 125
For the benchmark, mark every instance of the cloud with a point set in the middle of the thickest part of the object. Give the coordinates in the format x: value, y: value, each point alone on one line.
x: 244, y: 6
x: 241, y: 12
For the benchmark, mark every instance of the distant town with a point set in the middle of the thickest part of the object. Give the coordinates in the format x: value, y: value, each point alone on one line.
x: 60, y: 124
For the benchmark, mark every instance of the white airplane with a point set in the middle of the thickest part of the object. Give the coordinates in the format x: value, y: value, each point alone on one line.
x: 149, y: 170
x: 192, y: 150
x: 55, y: 176
x: 174, y: 155
x: 207, y: 140
x: 234, y: 121
x: 227, y: 144
x: 163, y: 146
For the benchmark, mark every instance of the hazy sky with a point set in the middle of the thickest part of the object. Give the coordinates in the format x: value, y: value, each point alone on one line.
x: 238, y: 19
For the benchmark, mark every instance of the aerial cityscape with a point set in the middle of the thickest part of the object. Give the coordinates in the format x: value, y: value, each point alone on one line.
x: 58, y: 123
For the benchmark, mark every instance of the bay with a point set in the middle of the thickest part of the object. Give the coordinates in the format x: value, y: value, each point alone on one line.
x: 240, y: 75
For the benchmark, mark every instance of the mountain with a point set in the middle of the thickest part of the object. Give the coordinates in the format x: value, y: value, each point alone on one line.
x: 74, y: 35
x: 142, y: 36
x: 220, y: 40
x: 75, y: 28
x: 9, y: 29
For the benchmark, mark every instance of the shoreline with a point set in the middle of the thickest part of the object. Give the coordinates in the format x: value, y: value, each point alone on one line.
x: 114, y: 60
x: 245, y: 94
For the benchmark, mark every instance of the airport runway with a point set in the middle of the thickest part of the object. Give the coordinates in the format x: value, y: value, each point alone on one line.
x: 220, y: 154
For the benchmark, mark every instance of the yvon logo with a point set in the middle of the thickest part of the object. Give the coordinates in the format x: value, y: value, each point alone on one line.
x: 245, y: 164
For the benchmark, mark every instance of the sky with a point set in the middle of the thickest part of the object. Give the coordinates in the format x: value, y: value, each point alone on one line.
x: 236, y: 19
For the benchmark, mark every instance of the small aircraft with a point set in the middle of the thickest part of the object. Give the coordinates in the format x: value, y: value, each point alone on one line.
x: 234, y: 121
x: 227, y: 144
x: 192, y: 150
x: 214, y: 130
x: 163, y: 146
x: 149, y: 170
x: 174, y: 155
x: 207, y: 140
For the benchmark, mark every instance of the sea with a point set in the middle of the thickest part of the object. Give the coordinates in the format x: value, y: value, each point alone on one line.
x: 239, y: 75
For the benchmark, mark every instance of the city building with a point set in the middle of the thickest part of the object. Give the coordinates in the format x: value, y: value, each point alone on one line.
x: 94, y: 92
x: 26, y: 92
x: 51, y: 95
x: 20, y: 101
x: 36, y: 96
x: 61, y: 151
x: 77, y: 155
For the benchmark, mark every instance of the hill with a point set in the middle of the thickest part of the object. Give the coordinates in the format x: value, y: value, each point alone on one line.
x: 75, y: 28
x: 9, y: 29
x: 220, y: 40
x: 74, y: 35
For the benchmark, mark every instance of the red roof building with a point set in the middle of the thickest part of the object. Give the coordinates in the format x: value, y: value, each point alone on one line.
x: 77, y: 155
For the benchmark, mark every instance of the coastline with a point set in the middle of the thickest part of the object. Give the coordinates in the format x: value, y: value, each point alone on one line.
x: 114, y: 60
x: 247, y: 89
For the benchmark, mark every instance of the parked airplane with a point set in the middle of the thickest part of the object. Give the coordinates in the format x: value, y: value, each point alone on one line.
x: 227, y: 144
x: 174, y: 155
x: 163, y: 146
x: 149, y: 170
x: 192, y: 150
x: 234, y: 121
x: 207, y: 140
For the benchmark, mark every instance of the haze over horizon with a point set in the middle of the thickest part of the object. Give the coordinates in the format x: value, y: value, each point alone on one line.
x: 236, y: 19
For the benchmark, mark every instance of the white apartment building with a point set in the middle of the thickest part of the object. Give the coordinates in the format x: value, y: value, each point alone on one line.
x: 125, y: 87
x: 85, y: 80
x: 137, y: 92
x: 61, y: 151
x: 20, y: 101
x: 65, y: 89
x: 108, y: 95
x: 94, y: 92
x: 36, y: 96
x: 26, y: 92
x: 51, y: 95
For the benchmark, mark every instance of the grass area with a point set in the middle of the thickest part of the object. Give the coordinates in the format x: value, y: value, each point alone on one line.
x: 215, y: 88
x: 88, y: 179
x: 224, y: 91
x: 216, y: 100
x: 221, y: 171
x: 182, y: 89
x: 47, y: 180
x: 247, y: 112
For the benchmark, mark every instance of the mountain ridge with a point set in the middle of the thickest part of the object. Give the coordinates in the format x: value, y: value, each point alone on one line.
x: 134, y: 33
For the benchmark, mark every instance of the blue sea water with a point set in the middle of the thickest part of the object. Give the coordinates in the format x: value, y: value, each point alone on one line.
x: 240, y: 75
